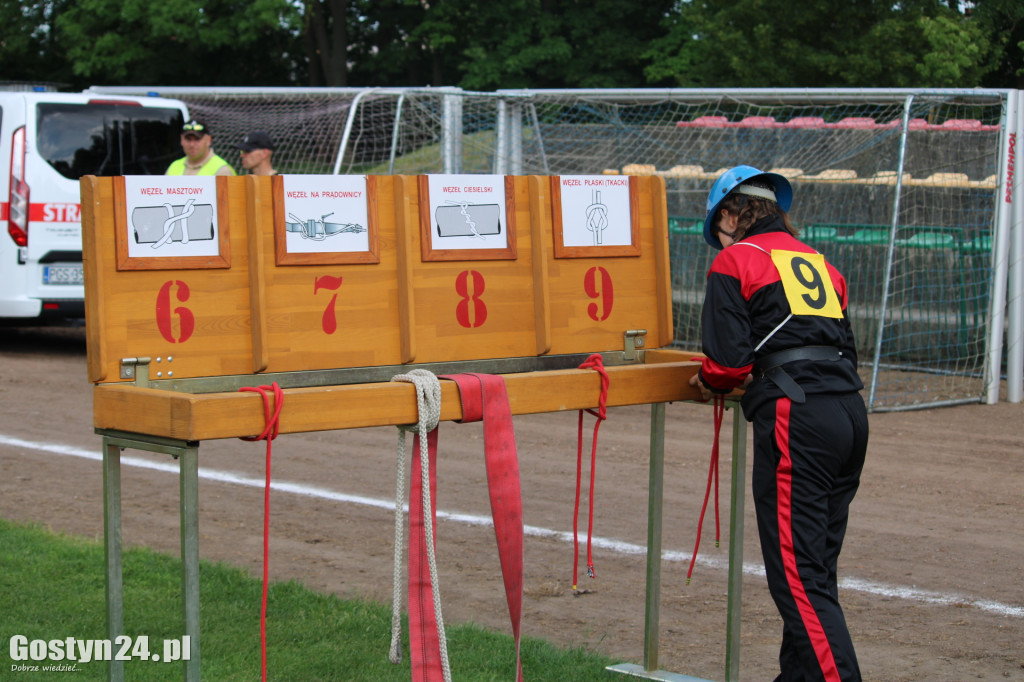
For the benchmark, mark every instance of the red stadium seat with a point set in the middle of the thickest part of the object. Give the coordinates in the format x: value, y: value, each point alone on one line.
x: 961, y: 124
x: 705, y: 122
x: 855, y: 122
x: 758, y: 122
x: 805, y: 122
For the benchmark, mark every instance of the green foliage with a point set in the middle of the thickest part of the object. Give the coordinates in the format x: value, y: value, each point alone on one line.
x: 863, y: 43
x: 509, y: 44
x: 956, y: 53
x: 481, y: 45
x: 29, y: 47
x: 1002, y: 21
x: 195, y: 42
x: 52, y: 587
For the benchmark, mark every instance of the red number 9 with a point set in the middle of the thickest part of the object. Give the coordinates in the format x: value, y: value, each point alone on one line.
x: 604, y: 291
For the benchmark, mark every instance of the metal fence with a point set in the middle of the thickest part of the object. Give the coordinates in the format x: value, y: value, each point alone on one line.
x: 909, y: 192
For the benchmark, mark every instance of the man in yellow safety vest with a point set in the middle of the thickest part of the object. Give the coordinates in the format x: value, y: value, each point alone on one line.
x: 199, y: 158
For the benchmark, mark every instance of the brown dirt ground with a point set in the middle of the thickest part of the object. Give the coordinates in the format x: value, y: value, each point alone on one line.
x: 935, y: 542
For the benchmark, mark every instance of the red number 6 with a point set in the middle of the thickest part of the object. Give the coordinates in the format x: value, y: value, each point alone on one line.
x: 164, y: 321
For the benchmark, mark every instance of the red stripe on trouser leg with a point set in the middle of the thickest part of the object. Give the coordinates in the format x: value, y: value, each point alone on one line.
x: 484, y: 396
x: 424, y: 645
x: 784, y: 488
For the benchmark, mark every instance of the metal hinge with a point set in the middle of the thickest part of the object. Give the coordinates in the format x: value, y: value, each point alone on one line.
x: 136, y: 369
x: 633, y: 343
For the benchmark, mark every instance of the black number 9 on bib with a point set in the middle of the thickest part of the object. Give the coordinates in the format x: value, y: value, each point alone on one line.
x: 807, y: 284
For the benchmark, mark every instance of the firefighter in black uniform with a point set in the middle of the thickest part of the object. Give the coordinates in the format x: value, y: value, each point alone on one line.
x: 774, y: 321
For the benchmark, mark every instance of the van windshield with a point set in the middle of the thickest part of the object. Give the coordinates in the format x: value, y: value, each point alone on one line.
x: 107, y: 138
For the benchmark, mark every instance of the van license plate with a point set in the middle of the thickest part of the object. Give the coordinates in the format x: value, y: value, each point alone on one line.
x: 62, y: 274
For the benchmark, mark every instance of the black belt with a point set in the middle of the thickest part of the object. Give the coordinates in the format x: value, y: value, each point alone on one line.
x: 770, y: 366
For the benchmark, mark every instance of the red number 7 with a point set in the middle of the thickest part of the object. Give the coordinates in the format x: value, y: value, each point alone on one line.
x: 330, y: 319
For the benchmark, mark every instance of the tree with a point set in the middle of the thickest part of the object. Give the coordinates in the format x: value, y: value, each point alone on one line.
x: 543, y: 43
x: 778, y: 43
x: 485, y: 45
x: 561, y: 43
x: 187, y: 42
x: 326, y: 31
x: 957, y: 52
x: 1003, y: 22
x: 382, y: 48
x: 30, y: 46
x: 514, y: 43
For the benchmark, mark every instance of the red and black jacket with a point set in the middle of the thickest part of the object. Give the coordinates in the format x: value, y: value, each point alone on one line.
x: 746, y: 303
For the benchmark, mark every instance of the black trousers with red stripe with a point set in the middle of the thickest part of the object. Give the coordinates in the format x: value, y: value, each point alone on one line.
x: 807, y: 464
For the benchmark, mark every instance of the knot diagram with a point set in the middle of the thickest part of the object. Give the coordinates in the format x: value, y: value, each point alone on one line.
x: 597, y: 218
x: 160, y: 225
x: 319, y: 230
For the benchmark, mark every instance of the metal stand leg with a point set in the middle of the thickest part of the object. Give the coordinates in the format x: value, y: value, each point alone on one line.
x: 112, y: 550
x: 654, y: 518
x: 187, y: 452
x: 653, y: 600
x: 189, y: 503
x: 739, y: 470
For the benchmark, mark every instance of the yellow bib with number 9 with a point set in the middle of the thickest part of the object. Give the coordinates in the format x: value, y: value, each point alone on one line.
x: 807, y: 284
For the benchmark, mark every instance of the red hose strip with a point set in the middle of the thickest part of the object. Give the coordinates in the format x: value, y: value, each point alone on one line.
x: 424, y: 641
x: 719, y: 410
x: 272, y: 419
x: 595, y: 362
x: 484, y: 397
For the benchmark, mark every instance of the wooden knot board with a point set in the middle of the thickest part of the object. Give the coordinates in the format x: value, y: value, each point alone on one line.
x: 239, y: 298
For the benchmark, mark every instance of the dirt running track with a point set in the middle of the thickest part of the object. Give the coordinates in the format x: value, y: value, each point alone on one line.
x: 933, y: 559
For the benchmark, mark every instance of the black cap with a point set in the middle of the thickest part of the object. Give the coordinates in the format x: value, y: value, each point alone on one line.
x: 256, y: 140
x: 195, y: 127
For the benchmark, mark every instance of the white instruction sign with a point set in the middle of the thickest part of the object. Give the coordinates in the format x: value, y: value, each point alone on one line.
x: 171, y: 216
x: 595, y: 210
x: 326, y: 213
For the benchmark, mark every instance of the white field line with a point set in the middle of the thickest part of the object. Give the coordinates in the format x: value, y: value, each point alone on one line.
x: 869, y: 586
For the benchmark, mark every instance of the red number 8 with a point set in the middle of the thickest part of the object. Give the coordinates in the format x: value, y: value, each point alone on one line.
x: 462, y: 314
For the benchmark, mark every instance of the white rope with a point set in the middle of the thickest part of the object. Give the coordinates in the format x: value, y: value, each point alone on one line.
x: 428, y: 405
x: 395, y: 654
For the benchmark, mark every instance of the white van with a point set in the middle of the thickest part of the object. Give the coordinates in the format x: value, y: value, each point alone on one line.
x: 48, y: 141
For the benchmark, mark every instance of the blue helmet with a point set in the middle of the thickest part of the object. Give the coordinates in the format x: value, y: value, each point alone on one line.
x: 730, y: 180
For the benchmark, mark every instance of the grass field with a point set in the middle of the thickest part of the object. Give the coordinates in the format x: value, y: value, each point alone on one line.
x: 52, y: 588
